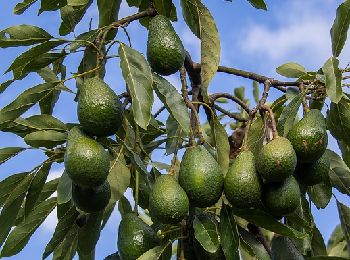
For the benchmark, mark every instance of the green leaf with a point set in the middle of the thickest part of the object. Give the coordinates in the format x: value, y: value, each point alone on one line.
x: 77, y: 2
x: 64, y: 225
x: 345, y: 152
x: 206, y: 233
x: 45, y: 138
x: 258, y: 4
x: 5, y: 85
x: 49, y: 188
x: 190, y: 13
x: 107, y: 14
x: 318, y: 246
x: 71, y: 16
x: 228, y: 233
x: 338, y: 120
x: 12, y: 206
x: 67, y: 249
x: 166, y: 8
x: 9, y: 152
x: 36, y: 187
x: 326, y: 258
x: 291, y: 70
x: 333, y: 78
x: 256, y: 92
x: 139, y: 79
x: 256, y: 135
x: 84, y: 39
x: 221, y: 143
x: 20, y: 236
x: 265, y: 220
x: 339, y: 31
x: 44, y: 122
x: 287, y: 118
x: 249, y: 242
x: 292, y: 92
x: 90, y: 233
x: 23, y: 35
x: 284, y: 248
x: 119, y: 180
x: 173, y: 101
x: 9, y: 184
x: 154, y: 253
x: 174, y: 135
x: 23, y: 6
x: 344, y: 214
x: 340, y: 179
x: 64, y: 189
x: 320, y: 194
x: 51, y: 5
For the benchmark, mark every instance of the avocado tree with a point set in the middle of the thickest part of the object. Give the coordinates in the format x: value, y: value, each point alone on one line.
x: 241, y: 182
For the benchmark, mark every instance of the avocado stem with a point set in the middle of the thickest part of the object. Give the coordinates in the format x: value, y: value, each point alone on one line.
x: 273, y: 121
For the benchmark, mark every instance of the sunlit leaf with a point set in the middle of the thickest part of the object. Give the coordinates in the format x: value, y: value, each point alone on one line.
x: 228, y: 233
x: 339, y: 31
x: 291, y: 70
x: 333, y: 78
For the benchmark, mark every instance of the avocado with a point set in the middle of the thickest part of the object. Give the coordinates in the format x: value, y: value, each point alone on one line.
x: 282, y: 198
x: 135, y: 237
x: 283, y: 248
x: 201, y: 177
x: 99, y: 109
x: 91, y: 199
x: 313, y: 173
x: 309, y: 137
x: 242, y: 184
x: 168, y: 202
x: 277, y: 160
x: 86, y: 161
x: 165, y: 52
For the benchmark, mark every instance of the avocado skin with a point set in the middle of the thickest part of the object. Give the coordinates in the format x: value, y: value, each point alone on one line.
x: 282, y: 198
x: 91, y: 199
x: 201, y: 177
x: 242, y: 186
x: 86, y: 161
x: 313, y: 173
x: 283, y: 248
x: 134, y: 237
x: 277, y: 160
x: 165, y: 51
x: 168, y: 202
x: 309, y: 137
x: 99, y: 109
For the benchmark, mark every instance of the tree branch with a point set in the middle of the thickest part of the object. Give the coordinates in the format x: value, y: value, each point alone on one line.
x: 229, y: 114
x: 215, y: 96
x: 126, y: 20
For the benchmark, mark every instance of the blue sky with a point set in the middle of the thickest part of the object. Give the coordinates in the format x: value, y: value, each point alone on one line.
x: 292, y: 30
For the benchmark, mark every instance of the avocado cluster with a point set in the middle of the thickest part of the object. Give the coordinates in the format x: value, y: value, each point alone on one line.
x: 86, y: 161
x: 271, y: 180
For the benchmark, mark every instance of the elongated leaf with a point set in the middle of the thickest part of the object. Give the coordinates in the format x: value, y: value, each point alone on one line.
x: 256, y: 135
x: 320, y: 194
x: 173, y: 101
x: 64, y: 189
x: 190, y: 13
x: 256, y: 92
x: 344, y: 214
x: 43, y: 122
x: 333, y: 78
x: 249, y: 242
x: 36, y: 187
x: 64, y: 225
x: 228, y: 233
x: 345, y: 151
x: 264, y: 220
x: 139, y: 79
x: 22, y: 6
x: 284, y: 248
x: 23, y: 102
x: 206, y: 233
x: 258, y: 4
x: 67, y: 249
x: 9, y: 184
x: 287, y: 118
x: 12, y: 206
x: 90, y: 233
x: 45, y: 138
x: 154, y: 253
x: 166, y: 8
x: 174, y: 135
x: 20, y: 236
x: 291, y: 70
x: 9, y: 152
x: 77, y: 2
x: 339, y: 31
x: 23, y: 35
x: 340, y: 179
x: 318, y: 246
x: 108, y: 13
x: 338, y: 120
x: 221, y: 143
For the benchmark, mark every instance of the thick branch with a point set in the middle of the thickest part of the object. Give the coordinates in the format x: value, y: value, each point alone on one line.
x: 126, y: 20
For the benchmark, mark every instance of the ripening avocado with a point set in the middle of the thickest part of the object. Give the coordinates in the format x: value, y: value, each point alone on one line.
x: 91, y: 199
x: 277, y: 160
x: 201, y: 177
x: 165, y: 52
x: 242, y: 184
x: 99, y: 109
x: 283, y: 248
x: 135, y: 237
x: 86, y: 161
x: 168, y: 202
x: 309, y: 137
x: 313, y: 173
x: 282, y: 198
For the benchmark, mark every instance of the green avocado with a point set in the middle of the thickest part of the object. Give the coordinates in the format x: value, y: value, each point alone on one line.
x: 201, y: 177
x: 282, y: 198
x: 313, y: 173
x: 165, y: 52
x: 283, y: 248
x: 242, y: 184
x: 168, y: 202
x: 309, y: 137
x: 277, y: 160
x: 86, y: 161
x: 91, y: 199
x: 99, y: 109
x: 134, y: 237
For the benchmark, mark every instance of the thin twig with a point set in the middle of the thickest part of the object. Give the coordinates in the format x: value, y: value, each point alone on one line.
x: 159, y: 111
x: 229, y: 114
x: 215, y: 96
x: 272, y: 117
